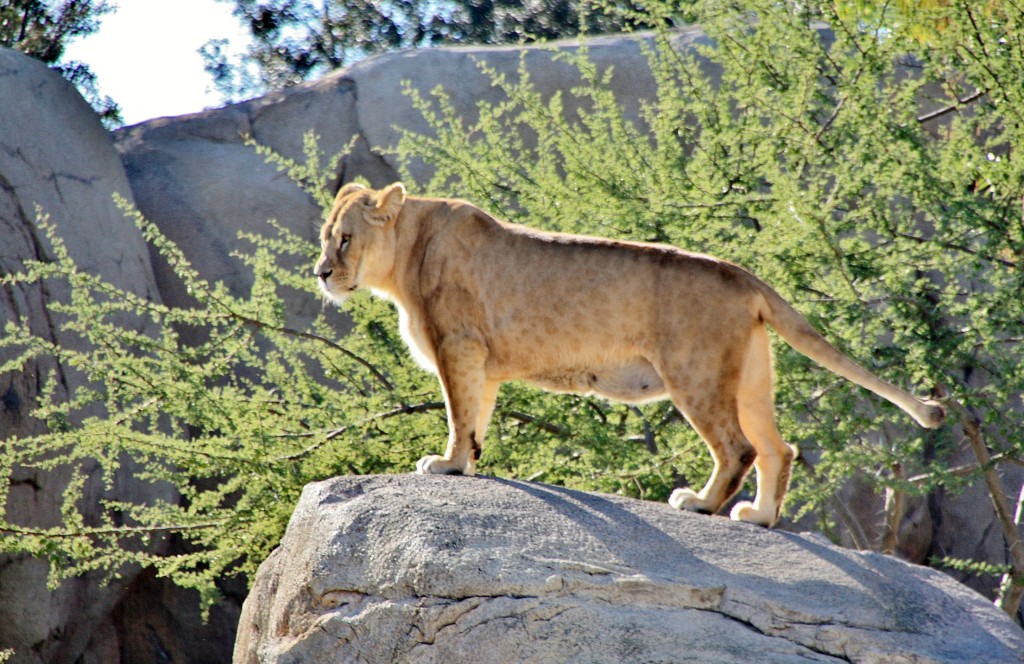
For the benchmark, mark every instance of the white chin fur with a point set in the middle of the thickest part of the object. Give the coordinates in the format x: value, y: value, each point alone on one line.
x: 332, y: 295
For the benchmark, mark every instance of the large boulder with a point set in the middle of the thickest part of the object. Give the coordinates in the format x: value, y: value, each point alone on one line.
x: 453, y: 569
x: 56, y: 157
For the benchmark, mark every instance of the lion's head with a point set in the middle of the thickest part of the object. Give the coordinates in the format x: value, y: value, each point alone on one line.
x: 357, y: 241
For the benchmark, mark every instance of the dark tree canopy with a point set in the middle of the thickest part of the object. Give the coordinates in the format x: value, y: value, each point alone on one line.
x: 42, y: 30
x: 294, y: 40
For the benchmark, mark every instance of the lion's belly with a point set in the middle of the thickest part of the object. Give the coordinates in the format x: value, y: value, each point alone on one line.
x: 635, y: 381
x: 576, y: 349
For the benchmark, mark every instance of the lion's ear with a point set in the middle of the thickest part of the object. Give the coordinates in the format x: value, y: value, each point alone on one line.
x: 389, y: 202
x: 349, y: 188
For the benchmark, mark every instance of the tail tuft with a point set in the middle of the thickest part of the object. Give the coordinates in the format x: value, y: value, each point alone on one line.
x: 932, y: 415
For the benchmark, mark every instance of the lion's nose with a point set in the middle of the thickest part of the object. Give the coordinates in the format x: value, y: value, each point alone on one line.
x: 325, y: 273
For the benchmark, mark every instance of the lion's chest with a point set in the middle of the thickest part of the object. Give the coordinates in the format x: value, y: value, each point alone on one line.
x: 414, y: 333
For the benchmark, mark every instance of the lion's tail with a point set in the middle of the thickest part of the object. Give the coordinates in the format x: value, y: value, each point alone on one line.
x: 799, y: 334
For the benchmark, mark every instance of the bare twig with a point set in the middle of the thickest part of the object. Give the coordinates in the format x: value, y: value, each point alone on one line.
x: 404, y: 409
x: 895, y: 506
x: 960, y: 103
x: 1012, y: 587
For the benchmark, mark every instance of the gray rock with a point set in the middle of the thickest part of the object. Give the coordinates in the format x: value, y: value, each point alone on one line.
x: 55, y: 155
x: 449, y: 569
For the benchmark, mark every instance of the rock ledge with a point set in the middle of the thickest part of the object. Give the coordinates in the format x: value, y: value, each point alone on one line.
x: 443, y: 569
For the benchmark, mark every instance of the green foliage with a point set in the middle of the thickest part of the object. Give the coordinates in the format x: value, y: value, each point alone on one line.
x: 226, y: 431
x: 871, y: 178
x: 972, y: 566
x: 42, y: 29
x: 897, y: 229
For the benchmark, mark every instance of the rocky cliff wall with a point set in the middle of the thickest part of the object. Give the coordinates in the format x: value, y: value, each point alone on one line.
x: 55, y: 157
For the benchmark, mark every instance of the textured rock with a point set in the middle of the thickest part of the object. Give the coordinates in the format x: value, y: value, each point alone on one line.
x: 55, y: 154
x: 448, y: 569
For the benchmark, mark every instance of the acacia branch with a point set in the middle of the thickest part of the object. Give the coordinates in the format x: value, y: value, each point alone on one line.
x: 1011, y: 588
x: 122, y: 530
x: 960, y: 103
x: 254, y: 322
x: 955, y: 247
x: 540, y: 424
x: 965, y: 469
x: 404, y: 409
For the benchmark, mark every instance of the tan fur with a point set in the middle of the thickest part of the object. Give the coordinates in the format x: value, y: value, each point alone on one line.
x: 482, y: 301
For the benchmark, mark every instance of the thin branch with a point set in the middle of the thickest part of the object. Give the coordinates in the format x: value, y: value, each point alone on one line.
x: 313, y: 337
x: 648, y: 438
x: 331, y: 435
x: 956, y: 247
x: 124, y: 530
x: 540, y: 424
x: 966, y: 469
x: 831, y: 119
x: 1012, y: 587
x: 960, y: 103
x: 894, y: 509
x: 1010, y: 584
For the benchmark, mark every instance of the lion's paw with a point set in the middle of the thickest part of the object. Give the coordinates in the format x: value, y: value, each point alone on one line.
x: 435, y: 464
x: 689, y: 500
x: 745, y: 511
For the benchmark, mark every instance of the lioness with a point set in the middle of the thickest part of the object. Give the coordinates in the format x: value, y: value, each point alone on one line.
x: 482, y: 301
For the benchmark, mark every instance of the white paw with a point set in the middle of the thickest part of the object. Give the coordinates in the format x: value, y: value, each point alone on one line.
x: 435, y: 464
x: 745, y: 511
x: 687, y: 499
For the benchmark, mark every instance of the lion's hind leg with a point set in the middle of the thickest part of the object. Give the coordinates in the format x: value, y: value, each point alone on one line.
x: 756, y: 409
x: 714, y: 417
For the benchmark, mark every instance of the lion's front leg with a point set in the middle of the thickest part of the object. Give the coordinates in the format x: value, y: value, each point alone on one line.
x: 469, y: 399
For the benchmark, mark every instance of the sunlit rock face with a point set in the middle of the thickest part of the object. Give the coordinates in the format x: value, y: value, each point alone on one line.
x: 57, y: 160
x: 415, y: 568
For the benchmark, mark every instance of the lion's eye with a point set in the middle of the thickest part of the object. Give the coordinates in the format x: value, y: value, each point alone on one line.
x: 345, y: 241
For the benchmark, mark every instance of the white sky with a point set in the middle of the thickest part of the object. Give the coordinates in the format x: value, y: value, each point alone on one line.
x: 145, y: 55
